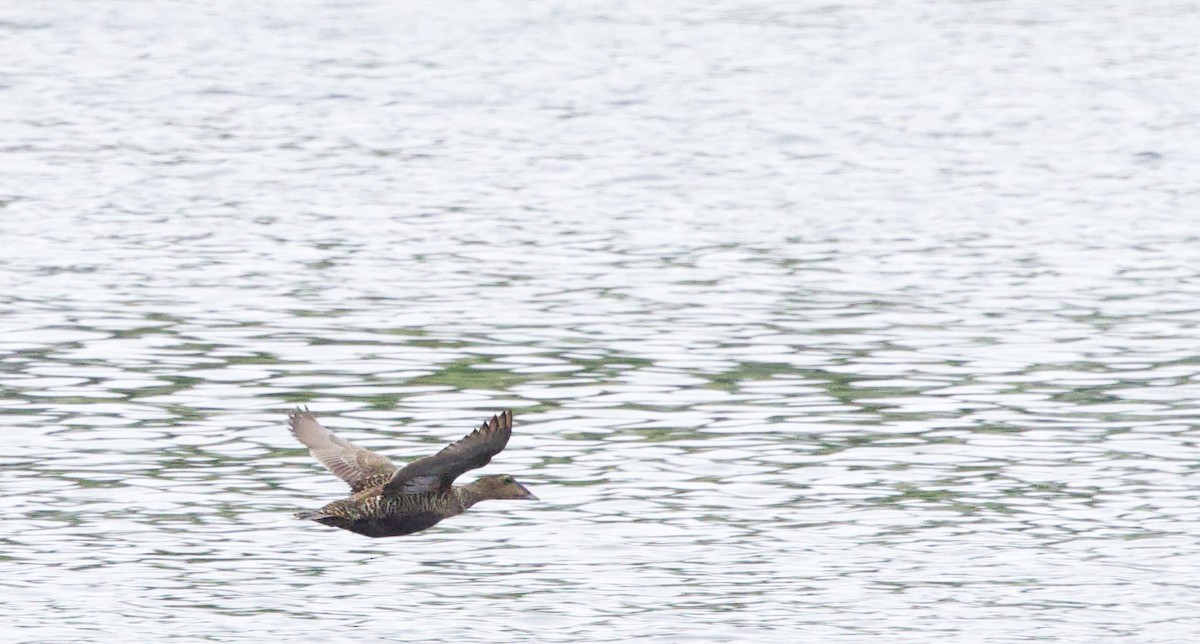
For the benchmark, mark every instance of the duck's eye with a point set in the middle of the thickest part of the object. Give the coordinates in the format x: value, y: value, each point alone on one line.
x: 508, y: 479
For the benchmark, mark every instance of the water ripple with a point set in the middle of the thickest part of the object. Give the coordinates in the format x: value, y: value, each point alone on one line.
x: 809, y: 334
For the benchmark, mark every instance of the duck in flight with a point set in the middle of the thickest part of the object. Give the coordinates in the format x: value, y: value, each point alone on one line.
x: 389, y: 501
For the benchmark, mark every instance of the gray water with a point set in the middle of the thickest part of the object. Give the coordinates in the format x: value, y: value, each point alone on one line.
x: 820, y: 321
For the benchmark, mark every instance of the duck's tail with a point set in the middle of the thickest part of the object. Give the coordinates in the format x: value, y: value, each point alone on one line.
x: 313, y: 515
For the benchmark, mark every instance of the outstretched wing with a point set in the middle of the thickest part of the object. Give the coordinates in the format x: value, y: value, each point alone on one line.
x: 359, y: 467
x: 439, y: 471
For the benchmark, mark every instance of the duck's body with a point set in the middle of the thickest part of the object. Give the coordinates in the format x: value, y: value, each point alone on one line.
x: 389, y: 501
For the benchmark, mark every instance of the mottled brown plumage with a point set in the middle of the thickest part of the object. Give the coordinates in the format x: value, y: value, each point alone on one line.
x: 388, y: 501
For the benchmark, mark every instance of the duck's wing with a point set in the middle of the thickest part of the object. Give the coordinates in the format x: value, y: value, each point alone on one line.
x: 359, y: 467
x: 439, y: 471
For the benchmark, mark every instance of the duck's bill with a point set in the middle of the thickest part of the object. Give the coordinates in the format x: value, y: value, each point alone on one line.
x: 526, y: 495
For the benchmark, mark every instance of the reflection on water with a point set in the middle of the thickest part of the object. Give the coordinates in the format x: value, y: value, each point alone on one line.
x: 807, y: 331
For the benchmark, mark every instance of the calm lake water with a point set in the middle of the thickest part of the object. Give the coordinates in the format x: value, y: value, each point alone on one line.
x: 865, y: 321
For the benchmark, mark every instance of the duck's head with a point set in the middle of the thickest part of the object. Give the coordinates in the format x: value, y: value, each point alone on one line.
x: 501, y: 486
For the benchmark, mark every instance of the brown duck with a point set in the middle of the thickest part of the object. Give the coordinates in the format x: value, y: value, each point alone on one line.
x: 389, y: 501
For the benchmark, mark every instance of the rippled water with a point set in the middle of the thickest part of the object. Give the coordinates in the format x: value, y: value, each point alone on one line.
x: 840, y: 321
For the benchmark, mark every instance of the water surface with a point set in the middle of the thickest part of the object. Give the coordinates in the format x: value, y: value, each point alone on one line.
x: 833, y: 322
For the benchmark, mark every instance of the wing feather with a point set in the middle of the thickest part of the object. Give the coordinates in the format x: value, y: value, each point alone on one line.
x: 358, y: 466
x: 439, y: 471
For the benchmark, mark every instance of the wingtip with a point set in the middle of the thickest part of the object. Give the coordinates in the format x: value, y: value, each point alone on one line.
x: 298, y: 414
x: 502, y: 420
